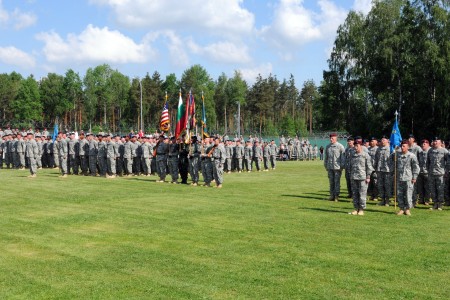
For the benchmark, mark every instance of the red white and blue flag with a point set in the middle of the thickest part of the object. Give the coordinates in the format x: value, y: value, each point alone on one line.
x: 164, y: 122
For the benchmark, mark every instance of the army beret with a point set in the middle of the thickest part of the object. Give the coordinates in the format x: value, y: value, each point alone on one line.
x: 333, y: 134
x: 358, y: 138
x: 29, y: 133
x: 38, y: 135
x: 82, y: 133
x: 404, y: 142
x: 359, y: 142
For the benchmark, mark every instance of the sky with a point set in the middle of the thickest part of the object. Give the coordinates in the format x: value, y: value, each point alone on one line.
x: 136, y: 37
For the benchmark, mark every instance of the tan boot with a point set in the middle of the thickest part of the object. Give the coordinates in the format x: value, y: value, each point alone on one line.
x: 407, y: 212
x: 354, y: 213
x: 400, y: 212
x: 361, y: 213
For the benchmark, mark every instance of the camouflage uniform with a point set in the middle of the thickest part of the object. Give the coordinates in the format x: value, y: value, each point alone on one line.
x: 266, y: 156
x: 218, y: 156
x: 229, y: 156
x: 273, y: 155
x: 437, y: 165
x: 173, y: 161
x: 349, y: 151
x: 257, y: 157
x: 423, y: 186
x: 193, y: 156
x: 239, y: 154
x: 62, y: 153
x: 334, y: 162
x: 32, y: 151
x: 161, y: 160
x: 407, y: 170
x: 93, y: 148
x: 383, y: 169
x: 83, y: 150
x: 248, y: 155
x: 207, y: 165
x: 183, y: 163
x: 360, y: 167
x: 101, y: 158
x: 373, y: 188
x: 127, y: 158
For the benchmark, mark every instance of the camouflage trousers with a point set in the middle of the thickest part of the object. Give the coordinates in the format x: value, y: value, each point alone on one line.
x: 257, y: 161
x: 93, y: 164
x: 334, y: 178
x: 111, y: 165
x: 238, y: 164
x: 404, y: 194
x: 359, y: 188
x: 248, y: 164
x: 161, y: 167
x: 128, y: 163
x: 146, y: 165
x: 266, y: 163
x: 193, y: 169
x: 33, y: 165
x: 384, y: 186
x: 207, y: 170
x: 84, y: 164
x: 228, y: 164
x: 63, y: 165
x: 218, y: 171
x: 102, y: 166
x: 436, y: 184
x: 373, y: 187
x: 173, y: 168
x: 273, y: 161
x: 73, y: 164
x: 348, y: 181
x: 423, y: 188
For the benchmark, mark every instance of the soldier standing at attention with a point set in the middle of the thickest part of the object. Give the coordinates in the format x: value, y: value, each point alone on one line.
x: 334, y: 162
x: 423, y: 187
x: 136, y: 155
x: 218, y: 156
x: 348, y: 154
x: 127, y: 157
x: 119, y: 159
x: 93, y: 148
x: 248, y: 155
x: 229, y: 155
x: 207, y: 165
x: 101, y: 154
x: 20, y: 149
x: 438, y: 166
x: 193, y: 156
x: 373, y: 188
x: 73, y: 166
x: 414, y: 149
x: 32, y: 152
x: 40, y: 144
x: 62, y: 153
x: 112, y: 152
x: 383, y: 168
x: 161, y: 157
x: 266, y: 156
x: 257, y: 156
x: 183, y: 164
x: 407, y: 172
x: 146, y: 156
x: 83, y: 150
x: 239, y: 154
x: 273, y: 154
x: 360, y: 170
x: 173, y: 161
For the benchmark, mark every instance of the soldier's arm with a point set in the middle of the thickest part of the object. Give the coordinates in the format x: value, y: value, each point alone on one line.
x: 415, y: 168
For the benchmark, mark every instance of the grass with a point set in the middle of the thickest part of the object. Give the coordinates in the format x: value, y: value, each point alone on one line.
x: 267, y: 235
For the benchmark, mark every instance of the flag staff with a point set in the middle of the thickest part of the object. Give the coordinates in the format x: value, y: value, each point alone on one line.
x: 395, y: 170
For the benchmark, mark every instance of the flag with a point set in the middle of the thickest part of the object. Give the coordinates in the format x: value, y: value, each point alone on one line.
x: 164, y: 122
x: 396, y: 137
x: 192, y: 112
x: 181, y: 121
x: 55, y: 132
x: 204, y: 128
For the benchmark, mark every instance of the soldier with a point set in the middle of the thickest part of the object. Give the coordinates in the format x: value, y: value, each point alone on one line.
x: 173, y: 159
x: 101, y: 154
x: 438, y: 166
x: 146, y: 157
x: 423, y: 188
x: 273, y: 154
x: 218, y: 155
x: 32, y: 152
x: 248, y: 155
x: 136, y: 155
x: 383, y: 168
x: 93, y: 149
x: 119, y: 159
x: 20, y: 149
x: 360, y: 171
x: 183, y: 163
x: 207, y: 164
x: 334, y: 162
x: 229, y: 156
x: 7, y: 149
x: 2, y: 147
x: 73, y: 161
x: 349, y: 151
x: 55, y: 153
x: 161, y: 157
x: 62, y: 153
x: 112, y: 152
x: 407, y: 172
x: 40, y: 144
x: 83, y: 151
x: 373, y: 189
x: 193, y: 156
x: 414, y: 149
x: 239, y: 154
x: 127, y: 156
x: 257, y: 156
x: 266, y: 156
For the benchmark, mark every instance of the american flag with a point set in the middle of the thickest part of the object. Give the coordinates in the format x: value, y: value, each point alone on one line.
x: 164, y: 122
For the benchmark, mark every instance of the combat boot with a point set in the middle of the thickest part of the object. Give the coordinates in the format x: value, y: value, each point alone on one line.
x: 407, y: 212
x: 400, y: 212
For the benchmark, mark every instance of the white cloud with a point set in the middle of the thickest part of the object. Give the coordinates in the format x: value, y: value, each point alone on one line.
x: 223, y: 52
x: 94, y: 44
x: 363, y: 6
x: 295, y: 25
x: 17, y: 18
x: 16, y: 57
x: 218, y: 17
x: 250, y: 74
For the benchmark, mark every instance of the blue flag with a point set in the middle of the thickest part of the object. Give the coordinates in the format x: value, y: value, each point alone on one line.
x: 396, y: 137
x: 55, y: 132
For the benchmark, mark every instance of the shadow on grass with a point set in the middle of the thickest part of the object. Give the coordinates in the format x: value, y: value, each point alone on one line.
x: 318, y: 197
x: 324, y: 210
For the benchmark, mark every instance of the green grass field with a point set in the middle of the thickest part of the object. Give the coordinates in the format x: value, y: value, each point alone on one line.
x: 267, y: 235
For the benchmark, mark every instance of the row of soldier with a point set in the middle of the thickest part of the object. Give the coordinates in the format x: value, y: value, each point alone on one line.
x: 422, y: 172
x: 108, y: 156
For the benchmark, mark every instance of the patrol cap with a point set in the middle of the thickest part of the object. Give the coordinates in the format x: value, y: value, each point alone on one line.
x: 165, y: 137
x: 425, y: 141
x: 333, y: 134
x: 366, y: 140
x: 350, y: 139
x: 29, y: 133
x: 38, y: 135
x: 194, y: 137
x: 436, y: 138
x: 384, y: 137
x: 373, y: 138
x: 411, y: 136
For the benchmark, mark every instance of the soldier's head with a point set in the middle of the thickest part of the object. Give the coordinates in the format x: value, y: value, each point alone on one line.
x: 373, y: 141
x: 437, y: 142
x: 350, y: 142
x: 81, y: 135
x: 166, y: 139
x: 405, y: 146
x: 216, y: 140
x: 411, y: 139
x: 30, y: 136
x: 194, y: 139
x: 133, y: 138
x: 425, y: 144
x: 358, y: 146
x: 384, y: 140
x: 333, y: 138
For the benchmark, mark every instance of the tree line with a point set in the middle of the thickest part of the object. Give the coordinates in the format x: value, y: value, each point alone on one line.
x: 395, y: 58
x: 105, y: 99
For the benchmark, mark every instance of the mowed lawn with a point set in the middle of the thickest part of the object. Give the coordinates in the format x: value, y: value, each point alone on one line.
x: 267, y: 235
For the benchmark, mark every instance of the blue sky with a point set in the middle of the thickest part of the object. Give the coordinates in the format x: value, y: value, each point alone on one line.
x: 139, y: 36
